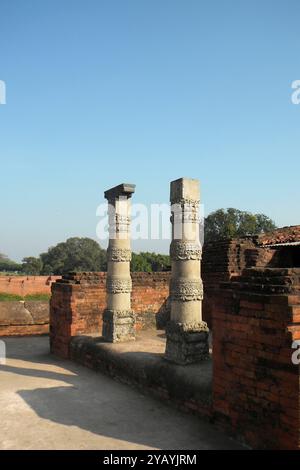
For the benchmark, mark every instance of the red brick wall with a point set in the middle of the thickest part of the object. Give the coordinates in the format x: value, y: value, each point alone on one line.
x: 256, y: 390
x: 224, y: 259
x: 149, y: 299
x: 24, y: 285
x: 78, y: 302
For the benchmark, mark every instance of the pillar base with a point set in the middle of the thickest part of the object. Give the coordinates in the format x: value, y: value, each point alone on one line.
x: 118, y: 326
x: 187, y: 343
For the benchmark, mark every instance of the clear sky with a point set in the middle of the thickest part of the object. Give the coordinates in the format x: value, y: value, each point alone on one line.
x: 144, y: 91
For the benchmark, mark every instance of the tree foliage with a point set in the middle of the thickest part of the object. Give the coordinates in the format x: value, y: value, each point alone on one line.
x: 32, y: 266
x: 149, y: 262
x: 76, y: 254
x: 7, y: 265
x: 232, y: 223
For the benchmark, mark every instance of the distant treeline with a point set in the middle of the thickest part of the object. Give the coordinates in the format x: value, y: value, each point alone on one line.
x: 79, y: 254
x: 85, y: 254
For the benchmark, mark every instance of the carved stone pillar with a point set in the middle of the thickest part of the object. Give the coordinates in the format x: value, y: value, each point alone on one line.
x: 187, y: 334
x: 118, y: 318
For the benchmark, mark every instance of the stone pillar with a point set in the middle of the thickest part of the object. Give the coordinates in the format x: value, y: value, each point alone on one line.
x: 187, y: 334
x: 118, y: 318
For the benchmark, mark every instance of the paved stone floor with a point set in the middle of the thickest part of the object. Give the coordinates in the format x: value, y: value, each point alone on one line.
x: 47, y: 403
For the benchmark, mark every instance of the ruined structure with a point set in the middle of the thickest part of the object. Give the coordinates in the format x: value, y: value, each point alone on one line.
x: 118, y: 318
x: 256, y: 388
x: 187, y: 334
x: 78, y: 303
x: 223, y: 260
x: 284, y: 243
x: 252, y: 296
x: 30, y: 314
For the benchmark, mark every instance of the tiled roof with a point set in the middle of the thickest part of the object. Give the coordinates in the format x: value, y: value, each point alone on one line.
x: 281, y: 236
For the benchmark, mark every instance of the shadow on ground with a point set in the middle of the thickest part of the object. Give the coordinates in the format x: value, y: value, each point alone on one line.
x: 71, y: 395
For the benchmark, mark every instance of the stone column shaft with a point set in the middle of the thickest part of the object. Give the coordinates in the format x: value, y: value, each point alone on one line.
x: 118, y: 318
x: 187, y: 334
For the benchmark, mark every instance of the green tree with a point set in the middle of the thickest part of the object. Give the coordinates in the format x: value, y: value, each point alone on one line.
x: 232, y: 223
x: 149, y: 262
x: 7, y: 265
x: 76, y: 254
x: 140, y: 263
x: 32, y: 266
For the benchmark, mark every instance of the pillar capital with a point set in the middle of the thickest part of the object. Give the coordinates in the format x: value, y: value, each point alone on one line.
x: 185, y: 191
x: 123, y: 190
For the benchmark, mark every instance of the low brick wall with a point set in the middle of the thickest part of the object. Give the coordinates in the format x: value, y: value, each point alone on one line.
x: 22, y: 318
x: 18, y: 318
x: 256, y: 393
x: 78, y: 302
x: 26, y: 285
x: 187, y: 388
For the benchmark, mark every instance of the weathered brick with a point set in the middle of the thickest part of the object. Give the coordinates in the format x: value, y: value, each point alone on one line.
x: 255, y: 385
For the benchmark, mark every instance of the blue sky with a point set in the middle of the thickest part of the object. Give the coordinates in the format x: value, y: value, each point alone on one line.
x: 101, y: 92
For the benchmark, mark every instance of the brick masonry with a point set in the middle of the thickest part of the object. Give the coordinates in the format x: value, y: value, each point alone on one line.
x: 224, y: 260
x: 255, y: 385
x: 79, y: 299
x: 23, y: 318
x: 26, y: 285
x: 149, y: 301
x: 256, y: 392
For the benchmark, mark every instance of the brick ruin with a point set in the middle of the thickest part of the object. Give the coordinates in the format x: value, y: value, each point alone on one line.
x: 252, y: 303
x: 26, y: 285
x: 226, y: 259
x: 256, y: 388
x: 31, y: 317
x: 248, y: 384
x: 78, y: 303
x: 25, y: 317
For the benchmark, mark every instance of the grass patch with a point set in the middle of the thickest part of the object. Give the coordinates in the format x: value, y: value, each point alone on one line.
x: 37, y: 297
x: 9, y: 297
x: 4, y: 297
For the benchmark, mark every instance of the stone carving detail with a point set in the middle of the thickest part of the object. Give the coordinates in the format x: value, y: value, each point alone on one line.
x: 119, y: 223
x: 186, y: 289
x: 119, y: 254
x: 188, y: 327
x: 117, y: 286
x: 181, y: 250
x: 187, y: 343
x: 183, y: 216
x: 117, y: 314
x: 118, y: 325
x: 191, y: 217
x: 185, y: 210
x: 122, y: 219
x: 185, y: 203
